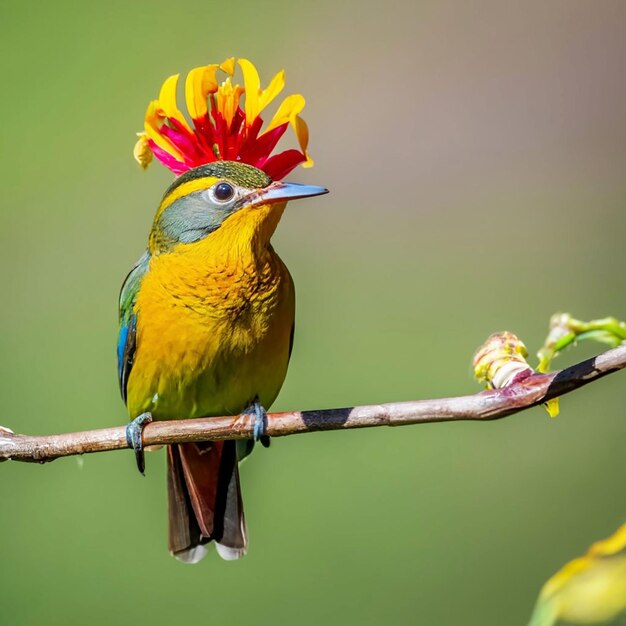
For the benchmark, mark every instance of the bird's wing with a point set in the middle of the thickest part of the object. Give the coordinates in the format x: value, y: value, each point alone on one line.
x: 126, y: 342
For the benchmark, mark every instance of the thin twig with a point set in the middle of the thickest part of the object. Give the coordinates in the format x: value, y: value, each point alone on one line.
x: 487, y: 405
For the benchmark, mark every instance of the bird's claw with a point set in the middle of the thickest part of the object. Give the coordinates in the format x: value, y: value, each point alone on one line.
x: 134, y: 439
x: 259, y: 433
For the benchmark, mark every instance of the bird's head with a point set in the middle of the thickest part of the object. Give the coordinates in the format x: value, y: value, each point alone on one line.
x: 228, y: 177
x: 204, y: 198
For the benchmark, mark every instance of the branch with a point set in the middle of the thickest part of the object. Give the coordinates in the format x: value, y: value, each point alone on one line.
x: 533, y: 390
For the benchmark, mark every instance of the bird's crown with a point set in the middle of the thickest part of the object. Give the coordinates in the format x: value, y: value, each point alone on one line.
x: 220, y: 129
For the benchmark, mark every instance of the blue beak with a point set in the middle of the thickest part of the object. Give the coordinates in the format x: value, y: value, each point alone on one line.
x: 281, y: 192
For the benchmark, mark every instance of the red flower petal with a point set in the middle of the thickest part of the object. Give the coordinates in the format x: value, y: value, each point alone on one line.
x: 280, y: 165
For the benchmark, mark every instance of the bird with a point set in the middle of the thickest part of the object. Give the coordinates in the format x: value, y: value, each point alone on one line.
x: 207, y: 313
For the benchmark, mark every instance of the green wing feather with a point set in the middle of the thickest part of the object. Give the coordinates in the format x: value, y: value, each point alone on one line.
x: 126, y: 343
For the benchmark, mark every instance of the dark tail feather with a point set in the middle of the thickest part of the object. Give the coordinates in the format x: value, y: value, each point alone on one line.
x: 205, y: 501
x: 185, y: 538
x: 233, y: 542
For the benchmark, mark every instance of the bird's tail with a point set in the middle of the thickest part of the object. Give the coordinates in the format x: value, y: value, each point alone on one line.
x: 205, y: 501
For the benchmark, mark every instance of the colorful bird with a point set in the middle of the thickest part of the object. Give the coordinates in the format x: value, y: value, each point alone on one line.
x: 207, y: 313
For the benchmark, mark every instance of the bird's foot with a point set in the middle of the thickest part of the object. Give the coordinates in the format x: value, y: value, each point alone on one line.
x: 257, y: 411
x: 134, y: 439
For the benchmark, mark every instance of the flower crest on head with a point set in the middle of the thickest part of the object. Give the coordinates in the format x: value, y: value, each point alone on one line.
x: 220, y: 128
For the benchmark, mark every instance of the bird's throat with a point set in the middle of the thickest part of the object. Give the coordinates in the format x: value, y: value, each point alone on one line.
x: 245, y: 235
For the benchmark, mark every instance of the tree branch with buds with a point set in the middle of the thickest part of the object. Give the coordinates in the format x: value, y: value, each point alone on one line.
x: 513, y: 386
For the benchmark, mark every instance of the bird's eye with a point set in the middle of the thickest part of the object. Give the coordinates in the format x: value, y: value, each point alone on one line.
x: 223, y: 192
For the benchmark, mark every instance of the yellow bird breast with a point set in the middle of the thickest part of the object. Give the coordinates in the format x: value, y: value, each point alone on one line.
x: 213, y: 331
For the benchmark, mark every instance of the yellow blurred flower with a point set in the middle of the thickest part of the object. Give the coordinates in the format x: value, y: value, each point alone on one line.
x: 588, y: 590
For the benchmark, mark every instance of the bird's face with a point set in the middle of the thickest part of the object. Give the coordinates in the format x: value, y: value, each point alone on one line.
x: 200, y: 201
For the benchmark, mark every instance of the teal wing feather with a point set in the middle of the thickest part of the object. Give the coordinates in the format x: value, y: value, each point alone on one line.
x: 127, y: 339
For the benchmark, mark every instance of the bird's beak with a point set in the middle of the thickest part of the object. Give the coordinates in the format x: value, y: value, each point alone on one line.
x: 282, y: 192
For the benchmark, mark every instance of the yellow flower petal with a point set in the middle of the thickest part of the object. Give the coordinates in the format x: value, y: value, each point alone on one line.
x: 252, y: 85
x: 152, y: 125
x: 142, y: 153
x: 167, y: 101
x: 268, y: 94
x: 288, y: 110
x: 228, y: 66
x: 200, y: 82
x: 256, y: 98
x: 302, y: 133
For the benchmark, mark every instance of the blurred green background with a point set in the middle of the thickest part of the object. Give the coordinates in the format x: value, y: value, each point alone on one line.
x: 476, y: 155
